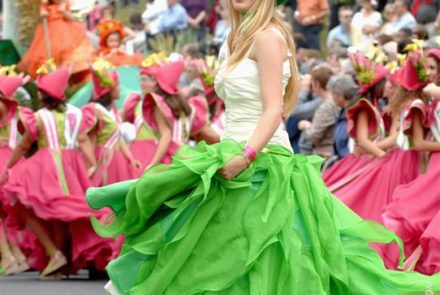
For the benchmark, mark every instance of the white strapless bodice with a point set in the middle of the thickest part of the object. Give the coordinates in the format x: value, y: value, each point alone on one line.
x: 240, y: 90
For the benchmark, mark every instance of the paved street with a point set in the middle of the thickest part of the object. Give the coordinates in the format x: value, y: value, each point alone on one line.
x: 29, y: 284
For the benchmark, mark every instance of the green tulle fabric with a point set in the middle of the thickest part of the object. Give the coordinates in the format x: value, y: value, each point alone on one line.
x: 274, y: 229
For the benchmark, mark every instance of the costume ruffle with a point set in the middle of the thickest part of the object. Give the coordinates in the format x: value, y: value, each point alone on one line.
x: 274, y: 229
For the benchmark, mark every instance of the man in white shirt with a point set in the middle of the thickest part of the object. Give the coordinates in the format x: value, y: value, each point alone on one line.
x: 152, y: 14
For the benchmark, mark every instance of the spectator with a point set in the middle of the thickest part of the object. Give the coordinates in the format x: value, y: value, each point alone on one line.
x: 426, y: 12
x: 194, y: 85
x: 138, y: 42
x: 190, y: 52
x: 404, y: 34
x: 308, y: 102
x: 309, y: 17
x: 384, y: 39
x: 107, y: 13
x: 94, y: 17
x: 391, y: 18
x: 335, y: 5
x: 222, y: 27
x: 305, y: 110
x: 342, y: 32
x: 335, y: 56
x: 343, y: 90
x: 366, y: 23
x: 318, y: 134
x: 130, y: 2
x: 196, y: 11
x: 310, y: 58
x: 404, y: 17
x: 152, y: 15
x: 420, y: 33
x: 174, y: 18
x: 213, y: 17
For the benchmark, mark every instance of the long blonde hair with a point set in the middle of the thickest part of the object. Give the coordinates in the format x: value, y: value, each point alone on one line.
x: 244, y: 31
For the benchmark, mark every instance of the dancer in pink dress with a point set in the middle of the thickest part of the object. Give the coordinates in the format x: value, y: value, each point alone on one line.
x: 369, y: 194
x: 12, y: 258
x: 46, y: 191
x: 365, y: 125
x: 416, y: 204
x: 164, y: 121
x: 101, y: 130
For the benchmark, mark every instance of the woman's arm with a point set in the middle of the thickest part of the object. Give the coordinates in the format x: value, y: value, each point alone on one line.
x: 370, y: 29
x: 207, y: 134
x: 418, y: 134
x: 165, y: 136
x: 195, y: 22
x: 19, y: 151
x: 86, y: 148
x: 127, y: 154
x: 390, y: 140
x: 270, y: 52
x: 362, y: 136
x: 432, y: 90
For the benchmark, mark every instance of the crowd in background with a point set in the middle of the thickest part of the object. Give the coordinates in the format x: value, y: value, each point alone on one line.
x: 325, y: 33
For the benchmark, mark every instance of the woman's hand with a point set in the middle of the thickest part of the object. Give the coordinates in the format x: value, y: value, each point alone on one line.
x: 358, y: 150
x: 382, y: 154
x: 4, y: 177
x: 135, y: 164
x: 304, y: 124
x: 91, y: 171
x: 234, y: 167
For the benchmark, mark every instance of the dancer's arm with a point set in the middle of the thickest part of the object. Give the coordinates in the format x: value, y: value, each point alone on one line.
x: 432, y: 90
x: 391, y: 139
x: 19, y: 151
x: 418, y: 134
x: 362, y: 136
x: 127, y: 154
x: 270, y: 51
x: 207, y: 134
x: 164, y: 139
x: 86, y: 148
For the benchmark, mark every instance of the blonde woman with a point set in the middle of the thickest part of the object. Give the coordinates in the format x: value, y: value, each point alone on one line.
x: 245, y: 215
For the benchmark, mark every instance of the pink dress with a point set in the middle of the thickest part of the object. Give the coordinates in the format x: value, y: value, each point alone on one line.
x: 53, y: 183
x: 369, y: 194
x: 140, y: 112
x: 10, y: 130
x: 429, y: 262
x: 350, y: 167
x: 104, y: 126
x: 416, y: 204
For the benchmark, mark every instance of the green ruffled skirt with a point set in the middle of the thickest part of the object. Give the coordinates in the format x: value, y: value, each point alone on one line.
x: 274, y: 229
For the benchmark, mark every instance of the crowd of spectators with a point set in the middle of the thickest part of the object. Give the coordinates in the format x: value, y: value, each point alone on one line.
x: 328, y: 80
x: 325, y: 32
